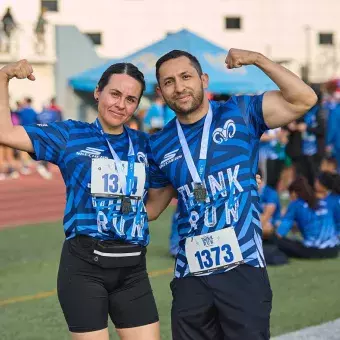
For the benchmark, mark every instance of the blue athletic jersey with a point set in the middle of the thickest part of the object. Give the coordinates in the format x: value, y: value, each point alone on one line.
x: 72, y: 145
x: 316, y: 226
x: 309, y: 142
x: 275, y: 149
x: 264, y: 150
x: 232, y: 163
x: 27, y: 115
x: 332, y: 134
x: 268, y: 195
x: 47, y: 116
x: 334, y: 201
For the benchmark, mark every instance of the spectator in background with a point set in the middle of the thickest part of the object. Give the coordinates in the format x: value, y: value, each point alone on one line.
x: 313, y: 141
x: 158, y: 114
x: 327, y: 186
x: 316, y: 220
x: 40, y: 31
x: 154, y: 117
x: 9, y: 26
x: 26, y: 113
x: 306, y: 144
x: 333, y: 135
x: 275, y: 155
x: 56, y: 108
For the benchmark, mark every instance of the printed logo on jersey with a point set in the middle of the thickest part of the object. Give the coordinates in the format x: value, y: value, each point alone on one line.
x: 221, y: 135
x: 169, y: 158
x: 91, y: 152
x: 141, y: 156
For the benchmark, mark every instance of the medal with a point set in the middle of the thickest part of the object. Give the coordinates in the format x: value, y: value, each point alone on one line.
x: 126, y: 206
x: 200, y: 192
x: 197, y: 173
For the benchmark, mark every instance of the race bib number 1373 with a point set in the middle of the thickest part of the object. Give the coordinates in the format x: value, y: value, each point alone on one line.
x: 213, y: 251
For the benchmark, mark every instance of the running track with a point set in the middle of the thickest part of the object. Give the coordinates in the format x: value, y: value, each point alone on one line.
x: 31, y: 199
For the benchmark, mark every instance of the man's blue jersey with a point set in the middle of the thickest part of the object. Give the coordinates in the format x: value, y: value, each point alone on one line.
x: 268, y: 195
x: 316, y: 226
x: 72, y: 146
x: 232, y: 162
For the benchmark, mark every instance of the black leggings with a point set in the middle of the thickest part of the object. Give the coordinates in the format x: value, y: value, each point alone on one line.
x: 274, y: 169
x: 307, y: 166
x: 296, y: 249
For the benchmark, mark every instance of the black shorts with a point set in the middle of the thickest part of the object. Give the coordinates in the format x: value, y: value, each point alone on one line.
x: 89, y: 293
x: 234, y: 305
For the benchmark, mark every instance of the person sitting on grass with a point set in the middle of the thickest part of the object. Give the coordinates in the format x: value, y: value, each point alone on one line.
x: 327, y: 186
x: 314, y: 218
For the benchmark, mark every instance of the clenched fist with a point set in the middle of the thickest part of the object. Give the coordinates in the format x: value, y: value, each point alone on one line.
x: 237, y: 58
x: 20, y: 70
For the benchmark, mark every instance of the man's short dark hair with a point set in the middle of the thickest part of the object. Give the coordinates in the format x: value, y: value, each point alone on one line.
x: 174, y: 54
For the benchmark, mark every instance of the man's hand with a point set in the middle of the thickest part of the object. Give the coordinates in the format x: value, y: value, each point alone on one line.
x: 20, y: 70
x: 237, y: 58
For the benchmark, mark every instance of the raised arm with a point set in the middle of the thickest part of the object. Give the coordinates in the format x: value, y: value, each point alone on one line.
x: 281, y: 107
x: 158, y: 200
x: 13, y: 136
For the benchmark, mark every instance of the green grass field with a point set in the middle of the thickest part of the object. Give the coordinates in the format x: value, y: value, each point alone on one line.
x: 305, y: 292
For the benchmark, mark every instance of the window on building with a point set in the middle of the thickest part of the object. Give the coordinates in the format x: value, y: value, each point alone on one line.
x: 50, y: 5
x: 233, y: 23
x: 96, y: 38
x: 326, y: 38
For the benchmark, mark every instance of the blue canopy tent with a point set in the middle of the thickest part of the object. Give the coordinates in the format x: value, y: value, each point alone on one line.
x: 248, y: 79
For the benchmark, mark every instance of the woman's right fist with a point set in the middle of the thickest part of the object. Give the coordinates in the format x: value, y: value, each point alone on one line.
x: 20, y: 70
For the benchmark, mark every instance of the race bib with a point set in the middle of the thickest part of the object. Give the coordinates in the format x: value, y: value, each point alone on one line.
x: 213, y: 251
x: 105, y: 180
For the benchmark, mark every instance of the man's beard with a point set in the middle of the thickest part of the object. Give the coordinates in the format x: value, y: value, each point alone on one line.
x: 197, y: 101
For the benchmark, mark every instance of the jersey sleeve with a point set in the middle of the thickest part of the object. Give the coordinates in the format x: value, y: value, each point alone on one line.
x: 157, y: 179
x: 49, y: 140
x: 251, y: 108
x: 271, y: 197
x: 287, y: 220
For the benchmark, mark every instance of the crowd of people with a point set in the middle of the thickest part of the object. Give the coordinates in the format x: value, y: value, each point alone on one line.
x: 300, y: 164
x: 15, y: 163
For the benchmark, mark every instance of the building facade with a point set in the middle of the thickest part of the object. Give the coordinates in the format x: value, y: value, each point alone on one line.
x: 302, y: 34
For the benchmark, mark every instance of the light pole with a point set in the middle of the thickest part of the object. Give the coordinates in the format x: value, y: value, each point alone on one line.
x: 308, y: 45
